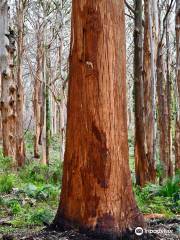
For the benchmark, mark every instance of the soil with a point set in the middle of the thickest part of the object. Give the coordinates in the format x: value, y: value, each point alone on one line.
x: 159, y: 229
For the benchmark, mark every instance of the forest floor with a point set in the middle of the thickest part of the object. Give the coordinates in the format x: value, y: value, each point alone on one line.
x: 158, y: 230
x: 29, y: 200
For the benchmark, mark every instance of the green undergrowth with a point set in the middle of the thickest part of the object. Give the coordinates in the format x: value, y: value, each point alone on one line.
x: 163, y: 199
x: 29, y: 196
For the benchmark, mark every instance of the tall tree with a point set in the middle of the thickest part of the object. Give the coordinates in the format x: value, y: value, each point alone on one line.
x: 163, y: 118
x: 97, y: 190
x: 169, y: 91
x: 177, y: 136
x: 8, y: 86
x: 163, y: 92
x: 21, y: 6
x: 38, y: 93
x: 46, y: 106
x: 141, y: 160
x: 145, y: 91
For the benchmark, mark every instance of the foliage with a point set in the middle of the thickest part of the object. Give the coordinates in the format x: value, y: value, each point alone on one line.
x: 163, y: 199
x: 15, y: 206
x: 6, y: 183
x: 5, y: 162
x: 41, y: 215
x: 43, y: 192
x: 30, y: 217
x: 29, y: 196
x: 171, y: 187
x: 38, y: 173
x: 34, y: 172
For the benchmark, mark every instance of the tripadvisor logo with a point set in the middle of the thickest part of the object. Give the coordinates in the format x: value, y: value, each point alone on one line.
x: 139, y: 231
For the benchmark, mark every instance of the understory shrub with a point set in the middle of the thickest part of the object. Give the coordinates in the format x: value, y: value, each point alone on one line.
x: 6, y: 183
x: 163, y: 199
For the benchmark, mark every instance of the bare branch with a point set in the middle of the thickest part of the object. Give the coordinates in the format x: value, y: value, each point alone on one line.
x: 129, y: 7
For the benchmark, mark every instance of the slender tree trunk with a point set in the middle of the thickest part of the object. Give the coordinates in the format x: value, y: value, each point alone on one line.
x: 44, y: 106
x: 53, y: 112
x: 168, y: 90
x: 97, y: 190
x: 164, y: 105
x: 8, y: 86
x: 149, y: 83
x: 0, y: 111
x: 20, y: 146
x: 163, y: 118
x: 141, y: 160
x: 168, y: 98
x: 46, y: 113
x: 177, y: 135
x: 63, y: 112
x: 154, y: 28
x: 38, y: 97
x: 48, y: 117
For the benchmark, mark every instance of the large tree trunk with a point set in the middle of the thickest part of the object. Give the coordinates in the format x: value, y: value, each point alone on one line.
x: 177, y: 136
x: 8, y: 86
x: 97, y: 190
x: 141, y: 160
x: 20, y: 146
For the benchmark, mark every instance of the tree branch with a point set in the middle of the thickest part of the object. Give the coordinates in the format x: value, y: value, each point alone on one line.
x: 129, y: 7
x: 164, y: 21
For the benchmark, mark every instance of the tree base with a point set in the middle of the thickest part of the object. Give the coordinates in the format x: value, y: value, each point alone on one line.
x: 63, y: 225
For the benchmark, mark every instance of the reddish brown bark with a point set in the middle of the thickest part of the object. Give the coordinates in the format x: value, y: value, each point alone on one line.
x: 97, y: 190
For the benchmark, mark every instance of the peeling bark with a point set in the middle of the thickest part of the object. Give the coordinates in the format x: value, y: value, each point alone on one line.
x: 149, y: 84
x: 8, y: 86
x: 20, y: 145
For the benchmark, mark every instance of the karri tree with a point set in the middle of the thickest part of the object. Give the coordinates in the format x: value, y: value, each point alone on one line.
x: 145, y: 57
x: 97, y: 190
x: 141, y: 159
x: 164, y: 102
x: 21, y: 7
x: 8, y: 86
